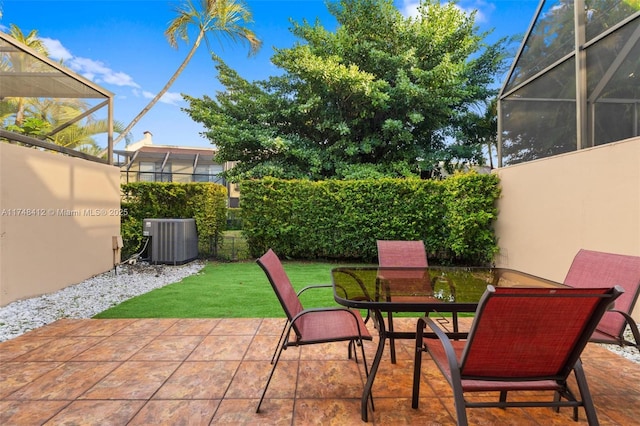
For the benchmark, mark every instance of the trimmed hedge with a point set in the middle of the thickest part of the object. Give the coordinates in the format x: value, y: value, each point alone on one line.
x: 203, y: 201
x: 342, y: 220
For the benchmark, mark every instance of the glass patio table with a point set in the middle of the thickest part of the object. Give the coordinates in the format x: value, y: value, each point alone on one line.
x: 420, y: 290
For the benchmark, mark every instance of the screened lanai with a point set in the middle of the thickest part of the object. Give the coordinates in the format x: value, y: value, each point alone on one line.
x: 27, y: 75
x: 575, y: 81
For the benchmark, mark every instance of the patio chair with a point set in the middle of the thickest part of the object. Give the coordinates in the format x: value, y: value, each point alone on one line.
x: 409, y: 254
x: 310, y: 326
x: 596, y: 269
x: 522, y: 339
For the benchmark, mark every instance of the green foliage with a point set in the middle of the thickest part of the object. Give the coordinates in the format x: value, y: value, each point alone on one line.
x: 377, y: 97
x: 31, y: 126
x: 335, y: 219
x: 203, y: 201
x: 470, y: 209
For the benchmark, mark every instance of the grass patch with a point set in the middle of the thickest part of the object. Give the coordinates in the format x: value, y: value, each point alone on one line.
x: 227, y: 290
x: 231, y: 290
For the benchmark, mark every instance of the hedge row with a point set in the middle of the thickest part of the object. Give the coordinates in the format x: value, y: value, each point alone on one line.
x: 205, y: 202
x: 342, y: 220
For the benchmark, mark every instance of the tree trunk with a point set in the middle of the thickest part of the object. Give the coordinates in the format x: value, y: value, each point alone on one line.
x: 164, y: 89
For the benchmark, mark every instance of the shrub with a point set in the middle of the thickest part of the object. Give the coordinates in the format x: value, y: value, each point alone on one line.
x: 343, y: 219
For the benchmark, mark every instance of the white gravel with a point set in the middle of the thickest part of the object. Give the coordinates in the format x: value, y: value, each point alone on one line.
x: 90, y: 297
x: 104, y: 291
x: 628, y: 352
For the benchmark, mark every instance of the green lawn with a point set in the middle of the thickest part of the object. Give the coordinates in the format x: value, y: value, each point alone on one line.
x: 227, y: 290
x: 231, y: 290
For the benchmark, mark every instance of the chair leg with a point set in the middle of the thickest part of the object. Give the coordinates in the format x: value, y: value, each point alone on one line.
x: 503, y: 398
x: 557, y: 397
x: 279, y: 350
x: 417, y: 364
x: 585, y: 394
x: 458, y: 395
x: 366, y: 367
x: 279, y: 340
x: 460, y: 405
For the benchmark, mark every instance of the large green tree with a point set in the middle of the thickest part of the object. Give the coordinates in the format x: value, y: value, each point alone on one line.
x: 224, y: 18
x: 375, y: 97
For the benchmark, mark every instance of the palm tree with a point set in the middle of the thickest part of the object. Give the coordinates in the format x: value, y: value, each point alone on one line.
x: 17, y: 63
x: 226, y: 18
x: 78, y: 136
x: 81, y: 137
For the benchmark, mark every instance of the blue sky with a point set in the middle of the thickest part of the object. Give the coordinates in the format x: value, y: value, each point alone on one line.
x: 120, y: 45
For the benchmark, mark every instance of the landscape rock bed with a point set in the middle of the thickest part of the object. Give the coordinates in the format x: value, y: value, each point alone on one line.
x: 90, y: 297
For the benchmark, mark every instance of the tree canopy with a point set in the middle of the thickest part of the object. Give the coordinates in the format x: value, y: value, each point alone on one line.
x: 379, y: 96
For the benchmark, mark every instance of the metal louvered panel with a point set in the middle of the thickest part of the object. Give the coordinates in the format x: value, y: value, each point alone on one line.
x: 173, y: 241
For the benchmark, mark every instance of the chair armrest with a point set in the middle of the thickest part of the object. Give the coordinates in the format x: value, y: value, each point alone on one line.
x: 314, y: 286
x: 310, y: 310
x: 452, y: 359
x: 632, y: 325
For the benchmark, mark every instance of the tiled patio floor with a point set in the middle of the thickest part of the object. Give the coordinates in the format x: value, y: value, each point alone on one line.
x: 210, y: 371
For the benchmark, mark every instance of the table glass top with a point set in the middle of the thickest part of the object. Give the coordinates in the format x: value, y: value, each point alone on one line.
x: 413, y: 288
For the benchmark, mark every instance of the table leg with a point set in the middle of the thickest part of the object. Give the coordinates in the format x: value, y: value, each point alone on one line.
x: 366, y: 393
x: 392, y: 341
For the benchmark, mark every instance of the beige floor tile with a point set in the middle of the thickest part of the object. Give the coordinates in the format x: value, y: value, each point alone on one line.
x: 212, y: 371
x: 199, y: 380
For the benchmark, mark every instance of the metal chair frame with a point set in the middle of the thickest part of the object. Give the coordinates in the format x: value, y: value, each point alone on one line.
x: 483, y: 362
x: 297, y: 315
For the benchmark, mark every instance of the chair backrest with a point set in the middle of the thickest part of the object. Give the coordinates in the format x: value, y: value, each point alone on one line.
x: 404, y: 254
x: 401, y: 253
x: 598, y: 269
x: 532, y: 333
x: 281, y: 284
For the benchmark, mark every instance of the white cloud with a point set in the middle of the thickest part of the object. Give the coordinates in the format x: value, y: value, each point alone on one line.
x: 410, y: 8
x: 171, y: 98
x: 99, y: 72
x: 119, y: 79
x: 91, y: 69
x: 88, y: 66
x: 483, y: 9
x: 56, y: 50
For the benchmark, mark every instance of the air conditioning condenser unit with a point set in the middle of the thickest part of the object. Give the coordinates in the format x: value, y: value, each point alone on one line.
x: 173, y: 241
